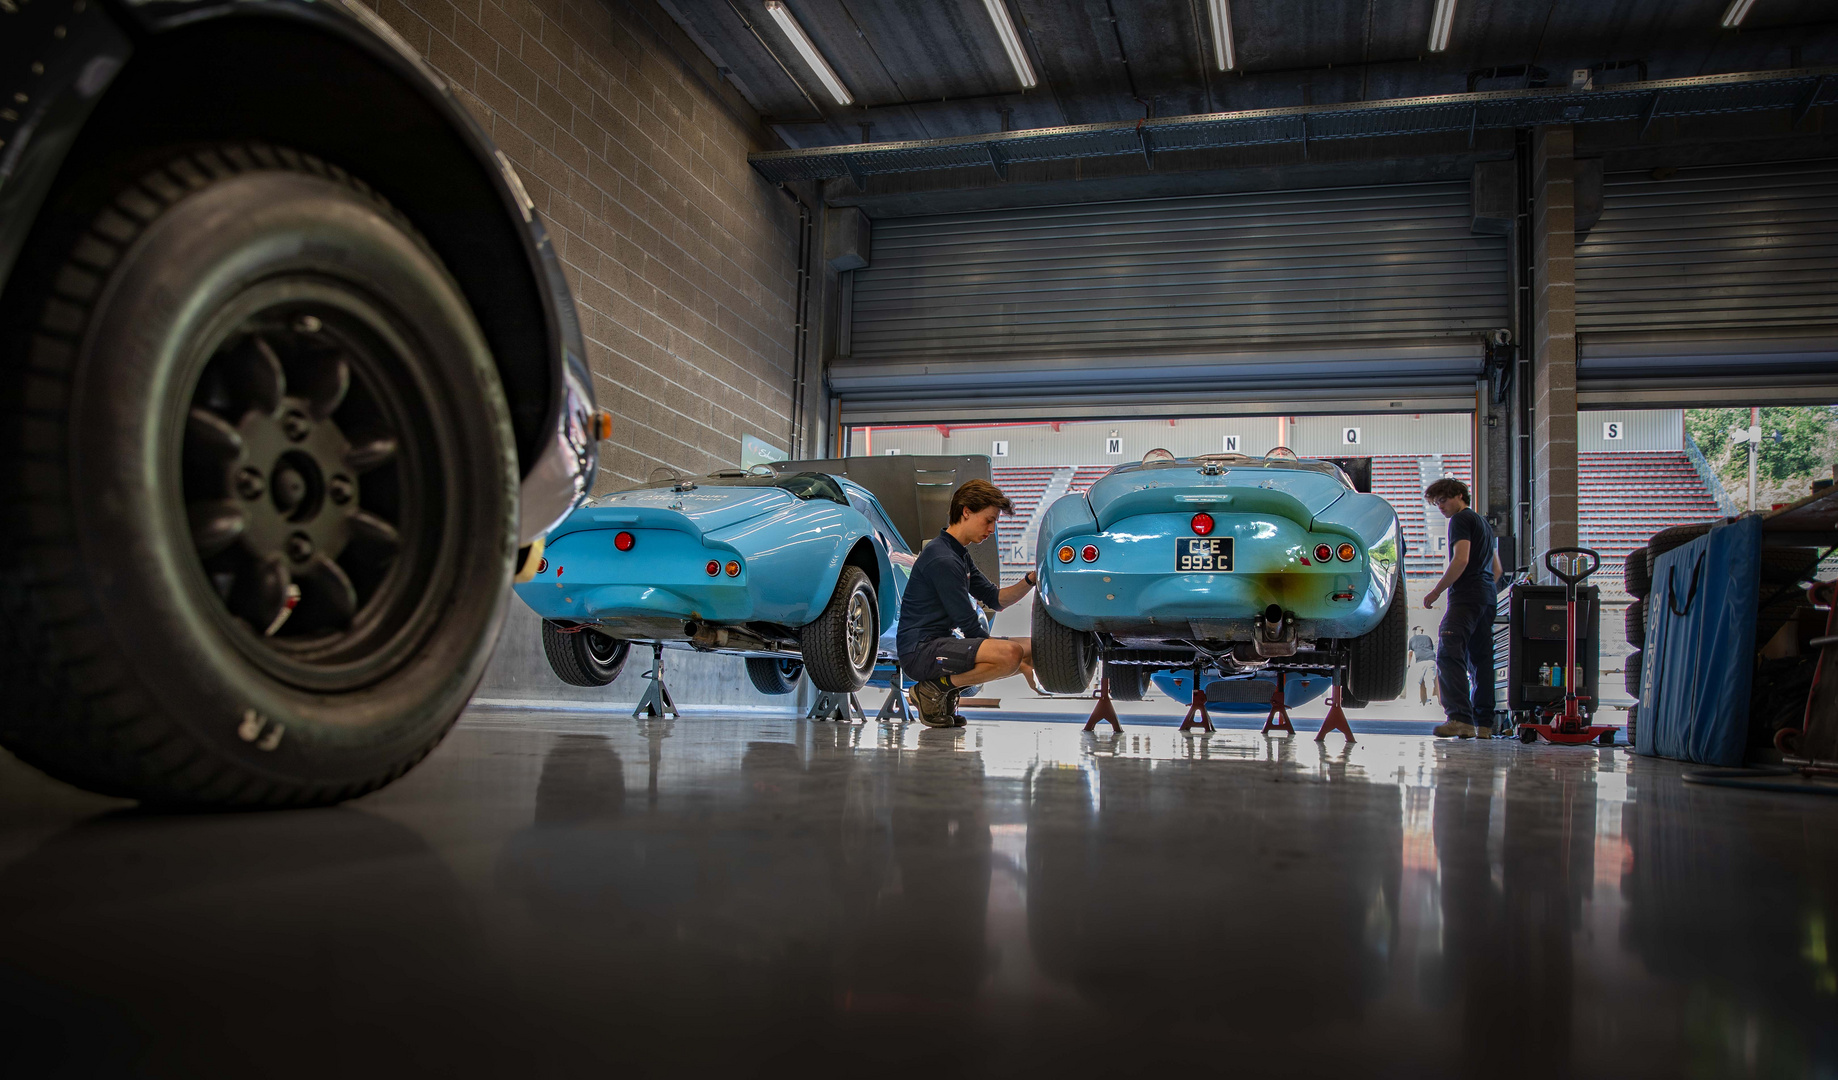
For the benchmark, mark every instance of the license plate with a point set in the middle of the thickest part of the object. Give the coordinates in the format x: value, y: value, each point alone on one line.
x: 1203, y: 554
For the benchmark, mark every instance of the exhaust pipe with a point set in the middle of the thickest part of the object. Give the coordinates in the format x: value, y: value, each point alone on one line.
x: 1276, y: 632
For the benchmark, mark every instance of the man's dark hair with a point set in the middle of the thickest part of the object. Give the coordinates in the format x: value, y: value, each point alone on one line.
x: 1447, y: 488
x: 978, y: 495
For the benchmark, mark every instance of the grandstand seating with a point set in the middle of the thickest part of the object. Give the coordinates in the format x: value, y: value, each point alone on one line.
x: 1624, y: 498
x: 1085, y: 476
x: 1024, y: 486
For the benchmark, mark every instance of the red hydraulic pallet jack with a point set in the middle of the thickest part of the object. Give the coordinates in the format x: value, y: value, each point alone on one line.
x: 1570, y: 727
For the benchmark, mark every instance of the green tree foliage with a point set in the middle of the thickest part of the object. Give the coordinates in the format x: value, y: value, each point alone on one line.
x: 1796, y: 442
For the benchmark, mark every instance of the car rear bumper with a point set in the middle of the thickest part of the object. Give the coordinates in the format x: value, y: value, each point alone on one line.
x: 1223, y: 607
x: 663, y: 579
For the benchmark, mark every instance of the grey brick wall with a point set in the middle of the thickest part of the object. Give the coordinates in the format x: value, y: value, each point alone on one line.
x: 682, y: 260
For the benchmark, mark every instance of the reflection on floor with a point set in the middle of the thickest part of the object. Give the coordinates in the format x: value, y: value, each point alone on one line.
x: 555, y: 893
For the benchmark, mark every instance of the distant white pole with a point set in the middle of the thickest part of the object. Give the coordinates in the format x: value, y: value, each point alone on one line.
x: 1754, y: 450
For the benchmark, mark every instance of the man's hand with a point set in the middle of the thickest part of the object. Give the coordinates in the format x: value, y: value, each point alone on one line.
x: 1019, y: 589
x: 1430, y: 598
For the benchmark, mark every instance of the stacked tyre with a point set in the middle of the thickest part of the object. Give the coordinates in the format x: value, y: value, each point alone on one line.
x: 1637, y: 579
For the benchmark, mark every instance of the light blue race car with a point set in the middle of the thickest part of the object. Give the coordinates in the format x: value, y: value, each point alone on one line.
x: 1221, y: 561
x: 799, y: 573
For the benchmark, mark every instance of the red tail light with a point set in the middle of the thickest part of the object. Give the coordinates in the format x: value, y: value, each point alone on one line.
x: 713, y: 567
x: 624, y: 541
x: 1323, y: 553
x: 1090, y: 553
x: 1202, y: 524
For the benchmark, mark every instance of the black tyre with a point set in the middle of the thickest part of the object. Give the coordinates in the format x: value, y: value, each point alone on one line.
x: 1634, y: 623
x: 1064, y: 659
x: 1630, y: 678
x: 583, y: 657
x: 1527, y: 735
x: 1786, y: 566
x: 1667, y: 539
x: 1636, y: 577
x: 1128, y: 682
x: 1349, y: 701
x: 774, y: 674
x: 839, y: 646
x: 1376, y: 663
x: 260, y: 489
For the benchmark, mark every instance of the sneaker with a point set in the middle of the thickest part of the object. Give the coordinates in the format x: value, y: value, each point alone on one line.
x: 934, y: 702
x: 1482, y: 732
x: 957, y: 718
x: 1454, y: 729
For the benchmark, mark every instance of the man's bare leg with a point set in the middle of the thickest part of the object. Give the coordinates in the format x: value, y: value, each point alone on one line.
x: 998, y: 658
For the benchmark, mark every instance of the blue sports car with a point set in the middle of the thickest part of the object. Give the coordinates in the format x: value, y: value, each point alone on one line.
x: 798, y: 572
x: 1228, y: 561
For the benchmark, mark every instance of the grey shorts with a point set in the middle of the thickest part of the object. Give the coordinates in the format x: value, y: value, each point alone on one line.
x: 942, y: 656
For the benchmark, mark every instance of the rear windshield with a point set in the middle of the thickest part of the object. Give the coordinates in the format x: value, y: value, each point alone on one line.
x: 805, y: 485
x: 1245, y: 461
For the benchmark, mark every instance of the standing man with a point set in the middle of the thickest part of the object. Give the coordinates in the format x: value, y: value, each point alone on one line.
x: 1464, y: 656
x: 1422, y: 664
x: 941, y: 598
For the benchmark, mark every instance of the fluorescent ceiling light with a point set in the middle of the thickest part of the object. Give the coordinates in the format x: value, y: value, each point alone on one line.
x: 1011, y: 42
x: 812, y: 58
x: 1736, y: 12
x: 1222, y: 35
x: 1443, y: 21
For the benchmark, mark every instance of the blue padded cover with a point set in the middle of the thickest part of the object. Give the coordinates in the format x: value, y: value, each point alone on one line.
x: 1700, y: 655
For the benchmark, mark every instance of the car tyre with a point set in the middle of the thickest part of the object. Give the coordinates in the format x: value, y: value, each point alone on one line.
x: 1634, y: 624
x: 583, y: 657
x: 1635, y: 576
x: 840, y: 646
x: 1128, y: 682
x: 1064, y: 659
x: 1376, y: 661
x: 1630, y: 673
x: 773, y: 674
x: 1675, y: 537
x: 170, y: 633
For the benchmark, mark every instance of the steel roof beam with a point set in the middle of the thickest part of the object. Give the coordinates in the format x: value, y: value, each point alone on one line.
x: 1799, y: 91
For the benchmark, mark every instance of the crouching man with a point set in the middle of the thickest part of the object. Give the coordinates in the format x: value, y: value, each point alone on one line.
x: 941, y: 598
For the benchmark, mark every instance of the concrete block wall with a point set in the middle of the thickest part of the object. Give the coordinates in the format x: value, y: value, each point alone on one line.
x: 682, y: 260
x: 1553, y: 338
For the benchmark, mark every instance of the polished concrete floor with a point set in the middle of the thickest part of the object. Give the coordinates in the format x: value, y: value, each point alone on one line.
x: 551, y: 894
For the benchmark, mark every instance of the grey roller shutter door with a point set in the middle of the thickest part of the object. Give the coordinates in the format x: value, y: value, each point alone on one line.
x: 1711, y: 284
x: 1340, y: 295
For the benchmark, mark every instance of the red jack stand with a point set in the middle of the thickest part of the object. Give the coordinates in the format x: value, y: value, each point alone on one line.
x: 1104, y: 709
x: 1278, y: 708
x: 1198, y: 705
x: 1336, y: 717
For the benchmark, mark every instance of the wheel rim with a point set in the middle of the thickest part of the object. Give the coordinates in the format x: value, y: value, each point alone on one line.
x: 790, y: 670
x: 311, y: 484
x: 602, y: 652
x: 863, y: 630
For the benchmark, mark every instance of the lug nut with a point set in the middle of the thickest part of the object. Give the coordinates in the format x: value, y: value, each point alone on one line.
x: 296, y: 425
x: 299, y: 547
x: 249, y: 482
x: 340, y: 488
x: 309, y: 324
